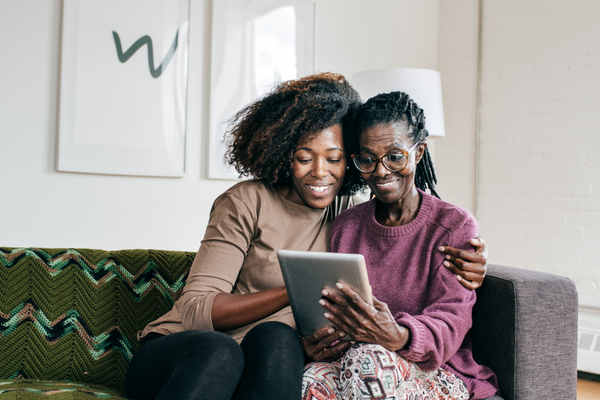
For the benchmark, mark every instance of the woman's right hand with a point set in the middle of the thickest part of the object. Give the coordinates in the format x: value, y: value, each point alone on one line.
x: 470, y: 267
x: 318, y: 345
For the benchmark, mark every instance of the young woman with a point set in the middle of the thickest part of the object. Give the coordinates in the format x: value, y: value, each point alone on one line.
x: 231, y: 333
x: 413, y: 342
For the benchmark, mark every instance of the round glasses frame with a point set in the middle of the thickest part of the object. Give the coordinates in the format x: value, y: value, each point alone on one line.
x: 383, y: 161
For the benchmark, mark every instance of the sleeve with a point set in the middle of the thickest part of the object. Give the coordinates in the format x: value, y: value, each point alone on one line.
x: 438, y: 332
x: 217, y: 264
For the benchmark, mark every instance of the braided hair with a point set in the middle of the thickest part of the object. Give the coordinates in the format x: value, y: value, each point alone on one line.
x: 263, y: 136
x: 393, y: 108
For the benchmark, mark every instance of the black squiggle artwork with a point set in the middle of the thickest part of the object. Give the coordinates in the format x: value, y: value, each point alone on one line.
x: 139, y: 43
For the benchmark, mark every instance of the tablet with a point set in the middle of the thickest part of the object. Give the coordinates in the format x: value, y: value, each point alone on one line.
x: 307, y: 273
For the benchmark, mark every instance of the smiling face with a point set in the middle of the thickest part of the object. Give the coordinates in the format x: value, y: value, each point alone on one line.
x: 381, y: 140
x: 318, y: 169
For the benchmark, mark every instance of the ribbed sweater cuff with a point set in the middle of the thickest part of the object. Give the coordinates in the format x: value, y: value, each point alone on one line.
x: 416, y: 346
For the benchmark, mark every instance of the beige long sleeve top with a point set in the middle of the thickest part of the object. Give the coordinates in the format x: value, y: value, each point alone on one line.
x: 248, y: 224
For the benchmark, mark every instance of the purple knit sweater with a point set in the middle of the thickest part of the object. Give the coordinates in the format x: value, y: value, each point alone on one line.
x: 406, y: 272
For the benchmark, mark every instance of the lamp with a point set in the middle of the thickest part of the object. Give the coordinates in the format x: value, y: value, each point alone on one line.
x: 424, y: 86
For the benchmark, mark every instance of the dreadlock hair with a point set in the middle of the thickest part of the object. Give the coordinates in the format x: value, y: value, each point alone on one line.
x: 263, y: 136
x: 397, y: 108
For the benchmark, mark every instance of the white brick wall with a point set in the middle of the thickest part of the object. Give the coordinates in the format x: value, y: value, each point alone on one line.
x: 540, y: 143
x: 539, y: 165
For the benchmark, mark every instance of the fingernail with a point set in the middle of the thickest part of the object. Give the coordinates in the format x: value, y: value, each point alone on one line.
x: 325, y: 293
x: 327, y: 315
x: 446, y: 264
x: 330, y: 331
x: 459, y: 277
x: 342, y: 333
x: 447, y: 256
x: 339, y: 285
x: 322, y: 302
x: 441, y: 248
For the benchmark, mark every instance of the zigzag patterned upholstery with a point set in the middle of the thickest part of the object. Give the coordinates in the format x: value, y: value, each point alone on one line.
x: 69, y: 317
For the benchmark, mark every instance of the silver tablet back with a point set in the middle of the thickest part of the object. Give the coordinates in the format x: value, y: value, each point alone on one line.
x: 307, y: 273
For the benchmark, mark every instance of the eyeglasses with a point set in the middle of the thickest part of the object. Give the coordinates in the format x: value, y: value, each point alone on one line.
x: 393, y: 162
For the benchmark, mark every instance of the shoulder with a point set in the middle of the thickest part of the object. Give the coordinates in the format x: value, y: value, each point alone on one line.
x: 247, y: 189
x: 451, y: 214
x: 351, y: 216
x: 246, y: 195
x: 249, y: 192
x: 452, y: 217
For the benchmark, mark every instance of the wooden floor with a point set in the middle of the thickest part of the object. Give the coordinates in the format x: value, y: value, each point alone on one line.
x: 588, y: 390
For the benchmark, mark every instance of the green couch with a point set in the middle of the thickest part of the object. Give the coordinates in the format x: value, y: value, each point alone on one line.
x: 69, y: 318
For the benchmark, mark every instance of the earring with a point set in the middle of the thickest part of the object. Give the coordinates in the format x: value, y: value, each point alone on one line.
x: 347, y: 167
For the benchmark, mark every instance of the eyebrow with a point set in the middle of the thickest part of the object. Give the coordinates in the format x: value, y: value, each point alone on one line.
x: 391, y: 146
x: 309, y: 149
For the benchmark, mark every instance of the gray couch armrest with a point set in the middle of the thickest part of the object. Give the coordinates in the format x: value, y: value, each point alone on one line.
x: 525, y: 329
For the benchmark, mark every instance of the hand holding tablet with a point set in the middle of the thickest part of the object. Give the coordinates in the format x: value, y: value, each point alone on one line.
x: 307, y: 273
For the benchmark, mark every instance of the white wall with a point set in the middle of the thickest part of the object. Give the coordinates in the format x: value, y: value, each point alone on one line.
x: 540, y: 138
x: 355, y: 35
x: 457, y: 63
x: 44, y: 208
x: 539, y: 193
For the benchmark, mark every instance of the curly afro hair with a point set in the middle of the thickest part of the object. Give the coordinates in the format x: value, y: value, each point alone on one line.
x: 263, y: 136
x: 396, y: 108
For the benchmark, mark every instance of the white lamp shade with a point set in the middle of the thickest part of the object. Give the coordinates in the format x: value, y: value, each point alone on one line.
x: 424, y: 86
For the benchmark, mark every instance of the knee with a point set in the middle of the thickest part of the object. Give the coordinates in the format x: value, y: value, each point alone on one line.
x: 214, y: 346
x: 273, y: 332
x: 274, y: 338
x: 358, y: 353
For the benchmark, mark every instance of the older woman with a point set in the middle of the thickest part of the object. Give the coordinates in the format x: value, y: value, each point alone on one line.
x: 413, y: 343
x: 231, y: 333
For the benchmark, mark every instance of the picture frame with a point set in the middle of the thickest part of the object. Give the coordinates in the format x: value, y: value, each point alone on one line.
x: 255, y: 44
x: 123, y: 87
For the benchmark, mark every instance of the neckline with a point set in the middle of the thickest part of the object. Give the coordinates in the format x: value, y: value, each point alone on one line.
x: 402, y: 230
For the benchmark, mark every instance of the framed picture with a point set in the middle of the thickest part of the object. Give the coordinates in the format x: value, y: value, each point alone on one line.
x: 123, y: 87
x: 254, y: 45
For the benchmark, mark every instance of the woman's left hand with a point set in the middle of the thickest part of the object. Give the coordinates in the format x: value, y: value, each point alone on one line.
x: 324, y: 344
x: 470, y: 267
x: 361, y: 321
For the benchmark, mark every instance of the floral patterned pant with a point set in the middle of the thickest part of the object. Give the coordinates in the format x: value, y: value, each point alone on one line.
x: 370, y: 371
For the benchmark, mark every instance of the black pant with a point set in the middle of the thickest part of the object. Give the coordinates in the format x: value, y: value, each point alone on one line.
x: 210, y: 365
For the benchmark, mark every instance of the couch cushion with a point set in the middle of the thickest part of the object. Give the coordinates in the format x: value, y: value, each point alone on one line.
x: 73, y: 314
